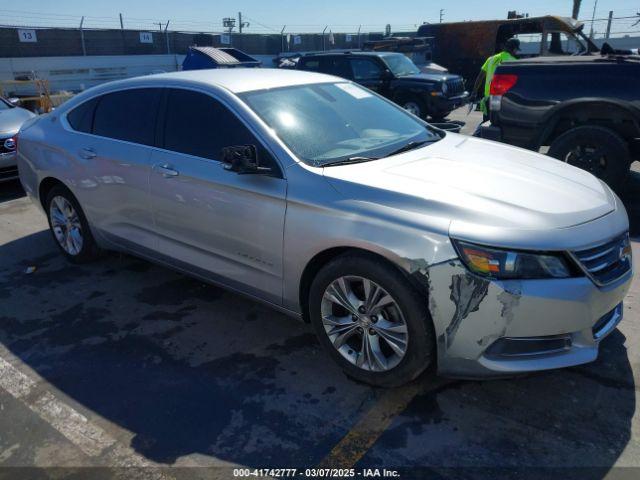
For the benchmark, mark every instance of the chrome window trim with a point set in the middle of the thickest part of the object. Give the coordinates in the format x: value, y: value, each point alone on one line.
x: 67, y: 126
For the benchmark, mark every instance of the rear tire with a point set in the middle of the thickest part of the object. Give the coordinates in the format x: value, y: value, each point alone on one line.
x: 399, y: 343
x: 69, y: 226
x: 598, y: 150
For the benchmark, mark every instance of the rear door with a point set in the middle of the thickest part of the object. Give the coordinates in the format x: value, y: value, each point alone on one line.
x: 222, y: 225
x: 115, y: 133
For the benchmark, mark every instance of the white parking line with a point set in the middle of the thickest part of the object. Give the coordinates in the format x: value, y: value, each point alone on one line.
x: 14, y: 381
x: 88, y: 437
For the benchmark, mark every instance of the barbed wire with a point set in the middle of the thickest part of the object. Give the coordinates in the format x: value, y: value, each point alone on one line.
x: 623, y: 24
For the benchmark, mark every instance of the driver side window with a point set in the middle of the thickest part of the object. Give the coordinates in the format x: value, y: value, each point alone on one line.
x: 197, y: 124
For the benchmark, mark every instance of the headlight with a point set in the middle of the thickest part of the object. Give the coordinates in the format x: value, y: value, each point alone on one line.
x: 507, y: 264
x: 445, y: 88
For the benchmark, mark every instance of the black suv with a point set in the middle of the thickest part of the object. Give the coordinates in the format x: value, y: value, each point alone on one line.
x: 394, y: 76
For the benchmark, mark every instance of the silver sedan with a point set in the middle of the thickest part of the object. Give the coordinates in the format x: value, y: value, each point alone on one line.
x: 404, y: 246
x: 11, y: 119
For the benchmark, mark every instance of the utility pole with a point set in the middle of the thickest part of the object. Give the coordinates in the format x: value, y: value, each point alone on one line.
x: 166, y: 36
x: 593, y: 18
x: 441, y: 14
x: 84, y: 49
x: 609, y: 25
x: 242, y: 24
x: 121, y: 23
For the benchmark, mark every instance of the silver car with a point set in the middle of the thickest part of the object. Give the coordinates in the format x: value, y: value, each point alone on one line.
x: 404, y: 246
x: 11, y: 119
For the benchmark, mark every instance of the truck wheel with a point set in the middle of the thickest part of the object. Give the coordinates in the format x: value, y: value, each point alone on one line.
x: 598, y: 150
x: 371, y: 321
x: 414, y: 106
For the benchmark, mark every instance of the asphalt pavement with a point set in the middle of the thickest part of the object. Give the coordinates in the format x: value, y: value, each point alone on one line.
x: 122, y: 368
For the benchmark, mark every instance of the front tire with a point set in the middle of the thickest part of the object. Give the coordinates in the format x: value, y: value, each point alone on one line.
x: 414, y: 106
x: 69, y: 226
x: 598, y: 150
x: 371, y: 320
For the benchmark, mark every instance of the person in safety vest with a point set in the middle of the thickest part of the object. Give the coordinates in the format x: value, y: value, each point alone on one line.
x: 511, y: 49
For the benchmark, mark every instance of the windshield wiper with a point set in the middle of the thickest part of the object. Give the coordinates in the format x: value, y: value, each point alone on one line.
x: 409, y: 146
x: 349, y: 161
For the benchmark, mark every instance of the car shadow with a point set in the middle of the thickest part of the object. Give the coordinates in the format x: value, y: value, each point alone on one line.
x: 189, y: 368
x: 11, y: 190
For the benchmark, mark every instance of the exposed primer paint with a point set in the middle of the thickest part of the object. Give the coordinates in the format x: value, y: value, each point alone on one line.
x: 467, y: 293
x: 509, y: 299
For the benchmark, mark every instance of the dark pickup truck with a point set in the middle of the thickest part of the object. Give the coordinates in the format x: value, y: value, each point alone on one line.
x: 585, y: 109
x: 396, y: 77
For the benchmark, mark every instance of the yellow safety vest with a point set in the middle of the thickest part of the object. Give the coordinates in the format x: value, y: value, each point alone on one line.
x: 489, y: 68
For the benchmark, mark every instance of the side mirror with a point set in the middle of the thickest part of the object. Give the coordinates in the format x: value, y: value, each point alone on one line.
x: 387, y: 75
x: 14, y: 101
x: 243, y: 159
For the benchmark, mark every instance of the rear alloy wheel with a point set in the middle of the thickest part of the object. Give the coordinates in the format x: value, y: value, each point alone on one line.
x: 69, y: 226
x: 371, y: 320
x: 598, y: 150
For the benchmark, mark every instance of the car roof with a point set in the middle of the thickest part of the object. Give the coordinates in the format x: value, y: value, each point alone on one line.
x: 237, y: 80
x: 340, y: 54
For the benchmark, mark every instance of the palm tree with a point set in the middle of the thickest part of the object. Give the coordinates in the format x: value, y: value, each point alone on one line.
x: 576, y: 8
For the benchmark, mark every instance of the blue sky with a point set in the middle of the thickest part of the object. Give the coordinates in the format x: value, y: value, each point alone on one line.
x: 298, y: 15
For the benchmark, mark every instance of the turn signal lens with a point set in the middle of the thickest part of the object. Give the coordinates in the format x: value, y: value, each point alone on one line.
x: 506, y: 264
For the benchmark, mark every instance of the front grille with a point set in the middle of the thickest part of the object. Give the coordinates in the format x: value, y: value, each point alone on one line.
x: 607, y: 262
x: 4, y: 149
x: 455, y: 87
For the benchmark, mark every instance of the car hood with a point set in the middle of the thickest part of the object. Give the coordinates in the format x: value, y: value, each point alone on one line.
x: 12, y: 119
x: 429, y: 77
x: 475, y: 185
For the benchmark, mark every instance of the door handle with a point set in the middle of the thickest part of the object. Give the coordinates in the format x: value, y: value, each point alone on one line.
x: 166, y: 171
x: 88, y: 153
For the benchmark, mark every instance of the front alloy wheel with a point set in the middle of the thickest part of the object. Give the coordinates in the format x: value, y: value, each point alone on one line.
x: 413, y: 108
x: 371, y: 319
x: 364, y: 323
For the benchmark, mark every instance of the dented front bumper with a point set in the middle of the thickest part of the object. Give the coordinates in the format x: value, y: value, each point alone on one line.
x: 488, y: 328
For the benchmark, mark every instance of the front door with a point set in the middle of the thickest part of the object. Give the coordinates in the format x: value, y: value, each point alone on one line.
x: 369, y: 73
x: 223, y: 225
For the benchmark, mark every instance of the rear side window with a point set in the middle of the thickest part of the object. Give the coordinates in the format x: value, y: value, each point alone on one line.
x: 338, y: 66
x: 128, y: 115
x: 81, y: 117
x: 197, y: 124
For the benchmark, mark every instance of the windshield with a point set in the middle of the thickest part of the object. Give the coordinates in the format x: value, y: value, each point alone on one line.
x: 333, y: 122
x: 400, y: 65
